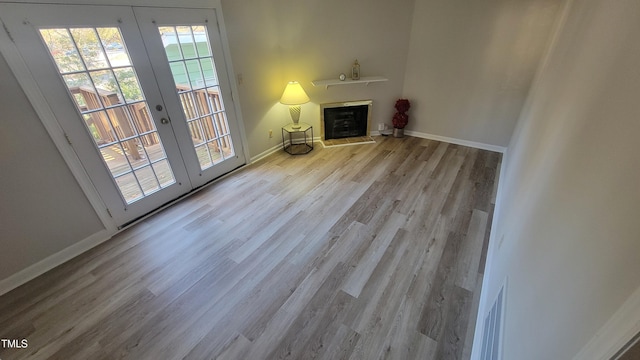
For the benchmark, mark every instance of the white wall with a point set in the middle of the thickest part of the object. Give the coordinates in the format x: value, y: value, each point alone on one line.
x: 275, y: 41
x: 571, y: 200
x: 42, y: 208
x: 471, y: 64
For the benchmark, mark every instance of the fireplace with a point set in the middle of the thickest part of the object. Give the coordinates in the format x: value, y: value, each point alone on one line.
x: 345, y: 119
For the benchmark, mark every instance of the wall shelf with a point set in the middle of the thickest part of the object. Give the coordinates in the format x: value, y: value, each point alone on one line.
x: 363, y: 80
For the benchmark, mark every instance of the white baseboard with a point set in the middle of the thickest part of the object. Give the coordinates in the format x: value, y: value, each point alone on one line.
x: 615, y: 333
x: 387, y: 132
x: 266, y: 153
x: 59, y: 258
x: 275, y: 148
x: 473, y: 144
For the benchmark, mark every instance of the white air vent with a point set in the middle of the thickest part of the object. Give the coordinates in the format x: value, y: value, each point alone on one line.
x: 492, y: 334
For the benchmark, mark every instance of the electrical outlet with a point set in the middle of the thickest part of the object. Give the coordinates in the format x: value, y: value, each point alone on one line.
x: 270, y: 133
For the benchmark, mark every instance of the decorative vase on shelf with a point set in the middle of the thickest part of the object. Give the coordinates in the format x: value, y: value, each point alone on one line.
x: 400, y: 118
x: 355, y: 71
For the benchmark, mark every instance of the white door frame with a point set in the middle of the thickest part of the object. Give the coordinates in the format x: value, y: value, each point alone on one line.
x: 149, y: 21
x: 29, y: 85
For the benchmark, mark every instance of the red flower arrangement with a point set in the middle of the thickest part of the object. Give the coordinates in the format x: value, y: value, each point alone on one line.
x: 400, y: 118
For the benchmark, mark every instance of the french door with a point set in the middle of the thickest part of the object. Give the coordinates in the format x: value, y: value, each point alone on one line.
x: 142, y: 94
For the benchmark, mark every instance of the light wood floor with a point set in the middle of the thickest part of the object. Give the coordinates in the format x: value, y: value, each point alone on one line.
x: 356, y: 252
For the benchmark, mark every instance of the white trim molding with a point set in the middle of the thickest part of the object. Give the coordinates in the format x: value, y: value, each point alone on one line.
x: 473, y: 144
x: 266, y: 153
x: 52, y: 261
x: 388, y: 132
x: 278, y: 147
x: 615, y: 333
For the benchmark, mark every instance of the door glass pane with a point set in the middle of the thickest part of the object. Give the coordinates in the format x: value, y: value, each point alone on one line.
x: 163, y: 172
x: 114, y: 46
x: 88, y: 45
x: 193, y: 68
x: 95, y: 66
x: 62, y: 49
x: 129, y: 82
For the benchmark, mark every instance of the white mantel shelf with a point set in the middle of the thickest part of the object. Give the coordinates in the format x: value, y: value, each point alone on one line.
x: 363, y: 80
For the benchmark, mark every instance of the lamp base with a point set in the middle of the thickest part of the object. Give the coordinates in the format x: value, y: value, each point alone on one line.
x: 294, y: 110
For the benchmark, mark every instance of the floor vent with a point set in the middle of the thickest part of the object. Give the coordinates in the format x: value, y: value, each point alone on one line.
x: 493, y: 330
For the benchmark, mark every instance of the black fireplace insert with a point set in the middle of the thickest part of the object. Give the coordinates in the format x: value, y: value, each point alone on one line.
x: 345, y: 121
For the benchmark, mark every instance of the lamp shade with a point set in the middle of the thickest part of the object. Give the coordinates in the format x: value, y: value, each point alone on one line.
x: 294, y: 94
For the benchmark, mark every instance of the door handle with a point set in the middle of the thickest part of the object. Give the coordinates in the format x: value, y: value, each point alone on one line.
x: 164, y: 121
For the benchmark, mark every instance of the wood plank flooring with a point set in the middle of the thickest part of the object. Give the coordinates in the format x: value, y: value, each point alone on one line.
x: 373, y: 251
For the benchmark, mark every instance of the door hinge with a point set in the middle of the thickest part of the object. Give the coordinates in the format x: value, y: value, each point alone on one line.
x: 68, y: 139
x: 109, y: 212
x: 6, y: 29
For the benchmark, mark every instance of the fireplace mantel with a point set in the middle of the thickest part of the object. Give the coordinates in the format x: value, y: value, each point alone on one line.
x: 363, y: 80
